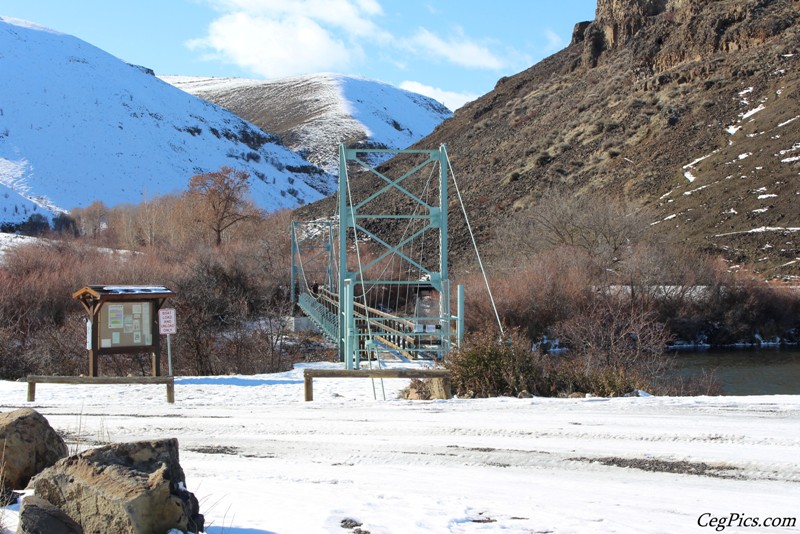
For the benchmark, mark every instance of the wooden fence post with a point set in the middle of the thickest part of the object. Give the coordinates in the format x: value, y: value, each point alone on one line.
x: 309, y: 387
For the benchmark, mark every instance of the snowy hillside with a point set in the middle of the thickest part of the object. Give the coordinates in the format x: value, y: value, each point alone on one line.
x: 314, y: 113
x: 79, y: 125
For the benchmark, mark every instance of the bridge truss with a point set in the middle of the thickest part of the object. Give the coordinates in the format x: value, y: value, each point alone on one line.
x: 389, y: 292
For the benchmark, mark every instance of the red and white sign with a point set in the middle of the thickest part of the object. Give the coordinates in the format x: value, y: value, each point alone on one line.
x: 167, y: 322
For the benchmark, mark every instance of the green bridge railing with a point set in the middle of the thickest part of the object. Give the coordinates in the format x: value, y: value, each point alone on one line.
x: 324, y: 318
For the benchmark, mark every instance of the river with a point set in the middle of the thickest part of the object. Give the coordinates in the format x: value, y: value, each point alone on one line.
x: 748, y: 371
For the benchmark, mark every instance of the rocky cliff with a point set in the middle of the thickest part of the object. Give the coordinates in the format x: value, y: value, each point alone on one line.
x: 687, y: 109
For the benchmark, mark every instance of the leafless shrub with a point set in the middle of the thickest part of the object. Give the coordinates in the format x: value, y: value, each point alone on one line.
x: 58, y: 349
x: 488, y: 366
x: 734, y: 308
x: 618, y: 340
x: 533, y: 297
x: 604, y: 230
x: 232, y: 315
x: 231, y: 302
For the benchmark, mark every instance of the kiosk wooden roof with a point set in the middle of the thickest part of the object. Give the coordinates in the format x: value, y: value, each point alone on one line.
x: 91, y: 296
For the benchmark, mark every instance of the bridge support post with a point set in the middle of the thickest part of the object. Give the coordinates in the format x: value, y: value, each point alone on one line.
x: 293, y: 284
x: 460, y: 317
x: 347, y: 319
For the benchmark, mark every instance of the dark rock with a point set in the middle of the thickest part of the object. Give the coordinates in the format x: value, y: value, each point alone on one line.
x: 28, y: 444
x: 350, y: 523
x: 579, y: 32
x: 37, y: 516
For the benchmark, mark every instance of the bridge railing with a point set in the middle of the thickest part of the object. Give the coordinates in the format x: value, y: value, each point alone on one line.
x: 408, y: 336
x: 325, y: 319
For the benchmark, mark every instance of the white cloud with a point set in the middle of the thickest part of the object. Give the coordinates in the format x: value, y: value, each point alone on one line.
x: 275, y: 38
x: 458, y: 49
x: 272, y: 48
x: 450, y: 99
x: 352, y: 16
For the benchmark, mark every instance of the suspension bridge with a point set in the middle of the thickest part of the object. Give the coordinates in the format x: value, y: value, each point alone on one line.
x: 374, y: 276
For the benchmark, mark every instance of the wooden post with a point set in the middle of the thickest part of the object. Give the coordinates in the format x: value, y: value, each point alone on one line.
x: 436, y: 388
x: 171, y: 392
x: 31, y: 391
x: 309, y: 387
x: 156, y: 363
x: 447, y: 388
x: 94, y: 345
x: 93, y: 367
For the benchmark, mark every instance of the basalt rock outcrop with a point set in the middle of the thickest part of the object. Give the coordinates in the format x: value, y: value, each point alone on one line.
x: 669, y: 32
x: 130, y: 488
x: 28, y: 444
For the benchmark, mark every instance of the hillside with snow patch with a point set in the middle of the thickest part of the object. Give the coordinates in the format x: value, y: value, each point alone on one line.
x: 79, y: 125
x: 314, y: 113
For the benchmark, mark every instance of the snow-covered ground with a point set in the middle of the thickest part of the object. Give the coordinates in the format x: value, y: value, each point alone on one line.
x: 261, y: 460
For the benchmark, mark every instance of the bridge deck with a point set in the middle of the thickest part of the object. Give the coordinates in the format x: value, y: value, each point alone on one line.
x: 395, y: 333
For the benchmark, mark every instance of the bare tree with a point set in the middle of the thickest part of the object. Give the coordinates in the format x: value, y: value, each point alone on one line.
x: 222, y: 199
x: 92, y: 219
x: 605, y: 230
x: 617, y: 332
x: 121, y: 219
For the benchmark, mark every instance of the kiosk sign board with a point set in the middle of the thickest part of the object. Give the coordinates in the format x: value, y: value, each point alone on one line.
x: 123, y: 320
x: 126, y: 324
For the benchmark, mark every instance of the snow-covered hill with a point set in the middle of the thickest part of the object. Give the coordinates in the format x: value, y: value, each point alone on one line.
x: 314, y: 113
x: 79, y: 125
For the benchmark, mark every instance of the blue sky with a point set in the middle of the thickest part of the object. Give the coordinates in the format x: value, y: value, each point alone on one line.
x: 452, y: 50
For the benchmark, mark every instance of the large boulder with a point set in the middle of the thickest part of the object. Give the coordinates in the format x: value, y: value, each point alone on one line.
x: 28, y: 444
x: 37, y: 516
x: 135, y: 488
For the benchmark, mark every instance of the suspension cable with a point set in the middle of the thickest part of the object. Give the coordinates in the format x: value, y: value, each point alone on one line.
x: 475, y: 245
x: 302, y: 267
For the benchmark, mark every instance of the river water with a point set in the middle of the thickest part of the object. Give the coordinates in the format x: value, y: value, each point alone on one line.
x: 747, y: 371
